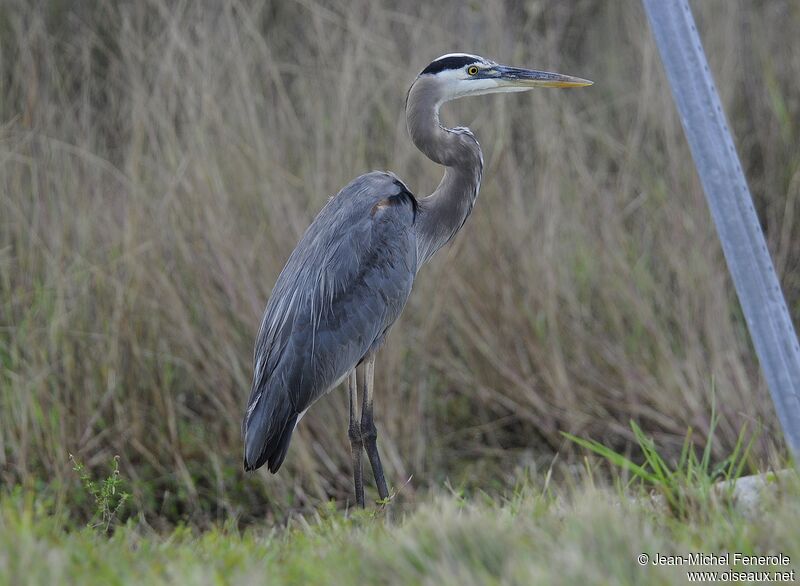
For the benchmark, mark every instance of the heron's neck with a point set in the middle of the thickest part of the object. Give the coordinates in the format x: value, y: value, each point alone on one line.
x: 442, y: 213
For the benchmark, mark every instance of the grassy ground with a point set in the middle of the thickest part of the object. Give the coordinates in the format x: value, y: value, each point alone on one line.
x: 541, y: 531
x: 584, y: 536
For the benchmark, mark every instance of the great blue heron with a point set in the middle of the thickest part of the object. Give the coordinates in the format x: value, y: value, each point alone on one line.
x: 350, y: 276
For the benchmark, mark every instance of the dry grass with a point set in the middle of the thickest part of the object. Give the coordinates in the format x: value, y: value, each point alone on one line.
x: 159, y: 160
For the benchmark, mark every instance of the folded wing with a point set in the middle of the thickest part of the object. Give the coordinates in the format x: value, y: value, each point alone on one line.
x: 341, y: 289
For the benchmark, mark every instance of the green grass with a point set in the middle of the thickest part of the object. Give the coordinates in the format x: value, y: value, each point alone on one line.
x: 583, y: 536
x: 108, y: 494
x: 540, y: 532
x: 689, y: 484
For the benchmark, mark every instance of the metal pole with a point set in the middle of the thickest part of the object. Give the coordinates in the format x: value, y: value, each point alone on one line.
x: 731, y: 206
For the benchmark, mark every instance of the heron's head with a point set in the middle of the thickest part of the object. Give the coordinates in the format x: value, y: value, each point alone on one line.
x: 457, y: 75
x: 460, y: 74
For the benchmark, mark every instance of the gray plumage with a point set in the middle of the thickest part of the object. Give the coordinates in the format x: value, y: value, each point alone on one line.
x: 350, y: 276
x: 344, y: 285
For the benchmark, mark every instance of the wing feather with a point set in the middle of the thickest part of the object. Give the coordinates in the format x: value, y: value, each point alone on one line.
x: 341, y: 289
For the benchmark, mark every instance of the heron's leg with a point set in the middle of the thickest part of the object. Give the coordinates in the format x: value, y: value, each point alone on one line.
x: 368, y: 432
x: 356, y: 443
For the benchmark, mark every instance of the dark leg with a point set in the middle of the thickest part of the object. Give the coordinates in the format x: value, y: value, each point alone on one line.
x: 368, y: 432
x: 356, y: 443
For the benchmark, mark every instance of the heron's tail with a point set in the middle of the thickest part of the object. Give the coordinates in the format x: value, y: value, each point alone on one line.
x: 268, y: 428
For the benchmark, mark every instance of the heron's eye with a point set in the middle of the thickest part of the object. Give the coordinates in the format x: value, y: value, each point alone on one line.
x: 472, y: 70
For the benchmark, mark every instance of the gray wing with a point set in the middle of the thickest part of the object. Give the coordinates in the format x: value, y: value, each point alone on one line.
x: 341, y: 289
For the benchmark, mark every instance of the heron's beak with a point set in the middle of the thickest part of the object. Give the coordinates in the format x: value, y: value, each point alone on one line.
x: 529, y: 78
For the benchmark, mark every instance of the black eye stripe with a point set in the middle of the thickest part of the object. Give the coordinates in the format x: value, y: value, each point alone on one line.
x: 454, y: 62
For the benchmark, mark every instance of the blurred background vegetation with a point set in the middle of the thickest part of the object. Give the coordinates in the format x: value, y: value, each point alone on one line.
x: 159, y: 160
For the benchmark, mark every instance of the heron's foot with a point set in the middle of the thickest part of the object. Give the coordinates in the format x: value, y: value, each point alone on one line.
x: 356, y: 446
x: 385, y: 502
